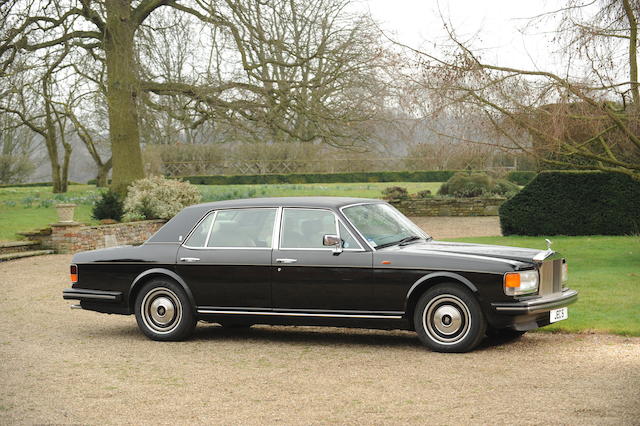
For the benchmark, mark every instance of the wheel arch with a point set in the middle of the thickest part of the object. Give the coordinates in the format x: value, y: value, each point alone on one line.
x: 428, y: 281
x: 148, y: 275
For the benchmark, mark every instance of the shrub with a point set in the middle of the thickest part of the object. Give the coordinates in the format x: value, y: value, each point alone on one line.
x: 395, y: 193
x: 574, y: 203
x: 504, y: 188
x: 109, y: 205
x: 521, y: 178
x: 426, y: 193
x: 158, y: 198
x: 466, y: 185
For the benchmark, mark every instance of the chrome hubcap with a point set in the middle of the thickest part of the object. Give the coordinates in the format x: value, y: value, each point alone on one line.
x: 161, y: 310
x: 446, y: 319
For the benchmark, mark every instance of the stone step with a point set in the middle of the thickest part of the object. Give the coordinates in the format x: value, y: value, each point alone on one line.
x: 21, y: 254
x: 7, y: 247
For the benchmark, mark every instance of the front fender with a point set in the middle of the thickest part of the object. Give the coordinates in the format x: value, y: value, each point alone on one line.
x: 415, y: 289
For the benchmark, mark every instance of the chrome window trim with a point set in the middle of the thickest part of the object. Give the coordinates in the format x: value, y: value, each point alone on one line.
x: 227, y: 248
x: 213, y: 220
x: 215, y: 213
x: 337, y: 219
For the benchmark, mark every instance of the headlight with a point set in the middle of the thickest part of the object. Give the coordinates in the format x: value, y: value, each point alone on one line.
x: 517, y: 283
x: 565, y: 273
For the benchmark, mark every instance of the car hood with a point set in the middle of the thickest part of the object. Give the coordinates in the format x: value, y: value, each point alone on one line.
x: 485, y: 250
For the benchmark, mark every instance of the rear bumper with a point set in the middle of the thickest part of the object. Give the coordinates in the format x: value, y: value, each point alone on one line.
x: 85, y: 295
x: 537, y: 306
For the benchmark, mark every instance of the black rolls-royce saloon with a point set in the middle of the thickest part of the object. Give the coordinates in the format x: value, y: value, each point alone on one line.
x: 321, y: 261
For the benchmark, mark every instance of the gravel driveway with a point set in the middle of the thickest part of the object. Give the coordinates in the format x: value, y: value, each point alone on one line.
x: 71, y: 366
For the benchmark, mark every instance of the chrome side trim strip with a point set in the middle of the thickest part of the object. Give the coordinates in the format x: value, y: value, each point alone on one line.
x: 84, y: 294
x: 296, y: 314
x: 70, y: 295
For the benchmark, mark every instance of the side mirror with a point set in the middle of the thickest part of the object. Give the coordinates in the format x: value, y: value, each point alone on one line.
x: 333, y: 240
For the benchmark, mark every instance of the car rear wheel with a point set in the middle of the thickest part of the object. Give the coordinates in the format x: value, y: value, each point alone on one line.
x: 163, y: 311
x: 448, y: 318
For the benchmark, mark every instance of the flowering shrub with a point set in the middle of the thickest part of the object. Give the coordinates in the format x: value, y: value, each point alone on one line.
x: 158, y: 198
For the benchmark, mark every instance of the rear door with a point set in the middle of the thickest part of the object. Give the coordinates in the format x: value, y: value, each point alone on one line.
x: 226, y: 260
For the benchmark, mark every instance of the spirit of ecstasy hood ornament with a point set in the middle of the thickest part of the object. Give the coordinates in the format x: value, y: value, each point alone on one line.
x: 548, y: 243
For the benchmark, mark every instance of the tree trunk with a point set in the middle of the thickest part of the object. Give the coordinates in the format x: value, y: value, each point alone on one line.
x: 64, y: 171
x: 59, y: 185
x: 633, y: 58
x: 103, y: 174
x: 122, y: 82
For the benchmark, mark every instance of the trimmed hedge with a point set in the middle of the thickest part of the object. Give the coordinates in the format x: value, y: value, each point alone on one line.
x: 520, y: 177
x: 419, y: 176
x: 574, y: 203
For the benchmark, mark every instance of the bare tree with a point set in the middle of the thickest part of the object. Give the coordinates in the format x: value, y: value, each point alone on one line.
x: 588, y: 121
x: 252, y: 90
x: 32, y: 102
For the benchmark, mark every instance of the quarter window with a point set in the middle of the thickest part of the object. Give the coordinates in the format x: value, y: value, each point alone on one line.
x: 198, y: 237
x: 235, y: 228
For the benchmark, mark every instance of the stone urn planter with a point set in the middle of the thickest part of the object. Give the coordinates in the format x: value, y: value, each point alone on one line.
x: 65, y: 212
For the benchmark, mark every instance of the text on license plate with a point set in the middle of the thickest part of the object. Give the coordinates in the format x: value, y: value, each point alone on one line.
x: 556, y: 315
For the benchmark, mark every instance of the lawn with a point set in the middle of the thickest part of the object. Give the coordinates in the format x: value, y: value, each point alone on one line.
x: 28, y: 208
x: 606, y: 272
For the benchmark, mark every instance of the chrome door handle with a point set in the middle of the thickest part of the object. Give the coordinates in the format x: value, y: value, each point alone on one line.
x: 286, y: 260
x: 190, y: 259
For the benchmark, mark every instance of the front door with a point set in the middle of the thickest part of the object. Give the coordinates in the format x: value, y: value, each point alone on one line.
x: 226, y: 261
x: 309, y: 276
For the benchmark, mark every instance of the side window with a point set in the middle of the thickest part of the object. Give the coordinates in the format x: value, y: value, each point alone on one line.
x: 348, y: 241
x: 198, y: 237
x: 235, y: 228
x: 243, y: 228
x: 304, y: 228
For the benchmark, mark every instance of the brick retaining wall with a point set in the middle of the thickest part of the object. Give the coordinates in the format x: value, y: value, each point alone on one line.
x: 449, y: 206
x: 75, y: 237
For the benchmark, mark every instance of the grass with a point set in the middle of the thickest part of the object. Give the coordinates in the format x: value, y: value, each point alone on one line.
x: 606, y: 272
x: 29, y: 208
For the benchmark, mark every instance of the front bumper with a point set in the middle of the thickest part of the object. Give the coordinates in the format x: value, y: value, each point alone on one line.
x: 86, y: 295
x: 538, y: 305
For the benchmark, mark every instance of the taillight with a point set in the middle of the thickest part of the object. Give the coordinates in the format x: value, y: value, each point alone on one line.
x: 74, y: 273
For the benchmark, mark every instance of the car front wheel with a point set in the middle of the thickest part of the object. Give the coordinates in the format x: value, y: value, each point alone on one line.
x: 448, y: 318
x: 163, y: 311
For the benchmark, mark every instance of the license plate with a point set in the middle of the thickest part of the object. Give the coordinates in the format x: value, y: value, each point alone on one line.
x: 556, y: 315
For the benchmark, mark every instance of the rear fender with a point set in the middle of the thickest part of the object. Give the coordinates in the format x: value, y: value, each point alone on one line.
x: 145, y: 276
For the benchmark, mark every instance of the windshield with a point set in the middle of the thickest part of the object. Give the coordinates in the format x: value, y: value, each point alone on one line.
x: 382, y: 225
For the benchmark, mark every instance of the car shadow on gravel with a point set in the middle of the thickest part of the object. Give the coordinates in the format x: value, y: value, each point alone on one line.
x: 333, y: 336
x: 320, y: 336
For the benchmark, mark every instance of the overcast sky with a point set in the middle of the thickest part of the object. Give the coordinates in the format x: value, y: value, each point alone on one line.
x: 493, y: 25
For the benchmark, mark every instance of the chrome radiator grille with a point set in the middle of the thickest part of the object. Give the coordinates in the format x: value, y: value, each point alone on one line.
x: 550, y: 277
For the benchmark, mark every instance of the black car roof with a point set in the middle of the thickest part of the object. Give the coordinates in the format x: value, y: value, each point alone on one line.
x: 184, y: 221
